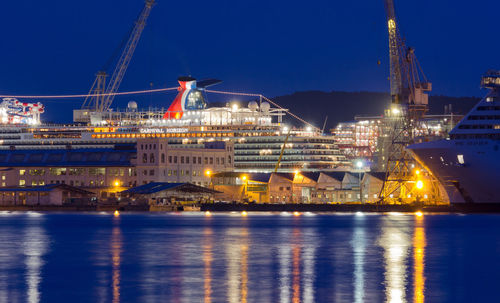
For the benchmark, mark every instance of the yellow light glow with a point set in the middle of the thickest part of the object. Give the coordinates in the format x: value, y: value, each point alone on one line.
x: 296, y: 213
x: 420, y: 184
x: 244, y: 178
x: 207, y: 214
x: 391, y: 24
x: 417, y: 172
x: 208, y: 172
x: 117, y: 213
x: 116, y: 183
x: 296, y: 172
x: 419, y: 214
x: 244, y: 214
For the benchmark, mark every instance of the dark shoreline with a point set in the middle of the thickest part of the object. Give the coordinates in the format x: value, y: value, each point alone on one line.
x: 265, y: 207
x: 373, y: 208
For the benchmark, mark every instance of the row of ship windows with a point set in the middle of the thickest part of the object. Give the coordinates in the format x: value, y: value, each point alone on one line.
x: 496, y: 117
x: 490, y: 107
x: 476, y: 136
x: 479, y: 126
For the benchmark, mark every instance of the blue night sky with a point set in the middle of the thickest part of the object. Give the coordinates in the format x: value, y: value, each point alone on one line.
x: 270, y: 47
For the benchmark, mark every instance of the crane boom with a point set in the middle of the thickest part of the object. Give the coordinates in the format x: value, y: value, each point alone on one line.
x: 126, y: 57
x: 394, y: 52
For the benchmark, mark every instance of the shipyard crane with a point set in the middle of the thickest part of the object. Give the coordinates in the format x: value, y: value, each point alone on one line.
x: 101, y: 95
x: 409, y: 88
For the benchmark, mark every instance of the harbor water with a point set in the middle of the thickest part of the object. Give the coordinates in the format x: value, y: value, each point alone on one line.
x: 260, y: 257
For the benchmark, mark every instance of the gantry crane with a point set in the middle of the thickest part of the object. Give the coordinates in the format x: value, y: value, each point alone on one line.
x: 101, y: 95
x: 409, y: 88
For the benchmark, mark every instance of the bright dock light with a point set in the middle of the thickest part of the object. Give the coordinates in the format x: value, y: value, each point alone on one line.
x: 296, y: 213
x: 244, y: 213
x: 208, y: 214
x: 420, y: 184
x: 419, y: 214
x: 116, y: 213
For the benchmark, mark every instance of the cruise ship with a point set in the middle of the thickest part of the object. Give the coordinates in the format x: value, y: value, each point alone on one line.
x: 468, y: 162
x: 257, y: 130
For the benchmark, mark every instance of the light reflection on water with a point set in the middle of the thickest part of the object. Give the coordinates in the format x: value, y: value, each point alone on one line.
x: 271, y: 258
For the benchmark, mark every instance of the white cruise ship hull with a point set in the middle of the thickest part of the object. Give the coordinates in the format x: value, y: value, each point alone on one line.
x: 468, y: 169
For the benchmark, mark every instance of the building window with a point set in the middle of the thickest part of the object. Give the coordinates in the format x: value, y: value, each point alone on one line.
x: 229, y: 159
x: 22, y: 172
x: 175, y: 173
x: 175, y: 159
x: 187, y: 160
x: 211, y: 160
x: 182, y: 159
x: 169, y: 172
x: 199, y: 160
x: 194, y: 160
x: 151, y: 158
x: 162, y: 158
x: 206, y: 160
x: 22, y: 182
x: 218, y: 161
x: 144, y: 158
x: 187, y: 172
x: 182, y: 172
x: 169, y: 159
x: 152, y: 172
x: 222, y: 160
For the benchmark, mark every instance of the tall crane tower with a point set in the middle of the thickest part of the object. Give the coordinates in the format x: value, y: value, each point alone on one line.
x: 101, y: 94
x: 409, y: 88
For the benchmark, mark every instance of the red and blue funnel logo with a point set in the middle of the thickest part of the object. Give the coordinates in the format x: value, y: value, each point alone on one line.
x: 190, y: 97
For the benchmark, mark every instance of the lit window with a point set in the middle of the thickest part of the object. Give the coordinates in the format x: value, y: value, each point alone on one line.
x: 22, y: 182
x: 22, y: 172
x: 460, y: 159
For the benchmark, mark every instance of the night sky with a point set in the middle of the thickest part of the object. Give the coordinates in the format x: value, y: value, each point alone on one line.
x: 269, y: 47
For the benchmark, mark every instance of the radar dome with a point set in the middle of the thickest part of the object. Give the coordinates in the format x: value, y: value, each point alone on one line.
x: 132, y: 106
x: 252, y: 105
x: 265, y: 106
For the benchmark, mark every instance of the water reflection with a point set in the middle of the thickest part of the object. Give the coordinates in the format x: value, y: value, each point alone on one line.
x: 284, y: 254
x: 419, y: 244
x: 35, y: 245
x: 395, y: 241
x: 359, y: 246
x: 297, y: 257
x: 116, y: 251
x: 207, y: 261
x: 296, y: 265
x: 237, y: 263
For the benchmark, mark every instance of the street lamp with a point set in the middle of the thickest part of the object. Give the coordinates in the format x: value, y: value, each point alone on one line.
x: 295, y: 174
x: 359, y: 166
x: 245, y: 185
x: 208, y: 173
